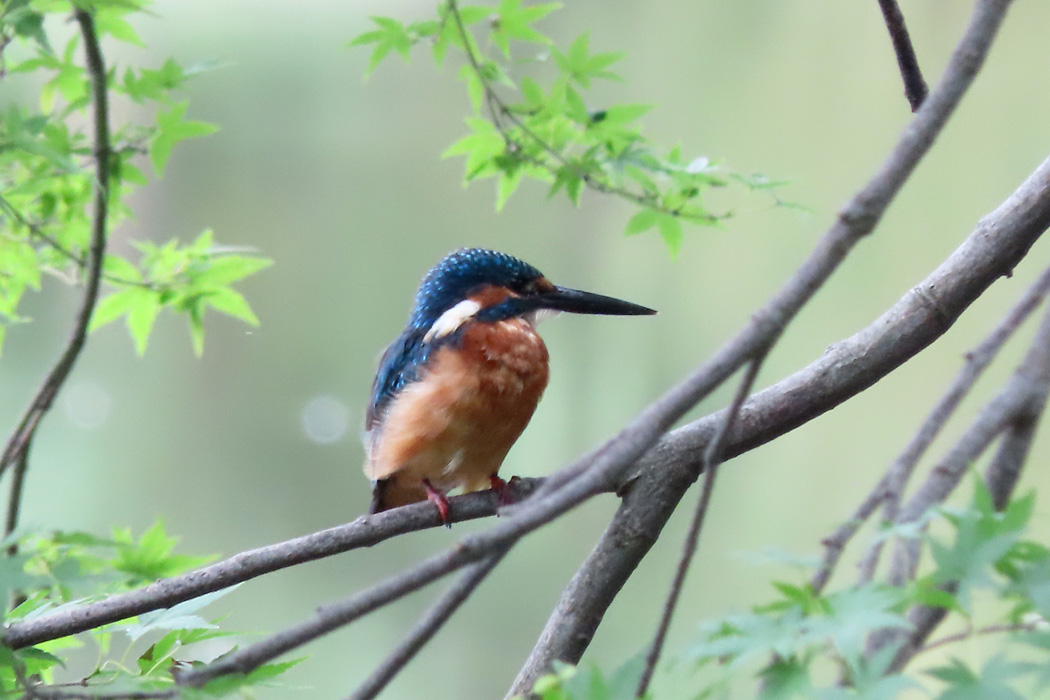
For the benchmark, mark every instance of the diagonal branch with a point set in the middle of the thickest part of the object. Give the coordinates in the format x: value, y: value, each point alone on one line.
x: 426, y: 628
x: 652, y: 490
x: 888, y: 491
x: 1020, y: 405
x: 914, y: 85
x: 17, y: 446
x: 604, y: 469
x: 713, y: 456
x: 366, y: 531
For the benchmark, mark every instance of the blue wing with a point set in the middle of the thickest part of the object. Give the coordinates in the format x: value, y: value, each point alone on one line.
x: 400, y: 366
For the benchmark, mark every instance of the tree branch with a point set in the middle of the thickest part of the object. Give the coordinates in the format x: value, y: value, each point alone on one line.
x: 640, y: 519
x: 914, y: 85
x: 426, y: 628
x: 365, y: 531
x: 17, y: 445
x: 1020, y: 404
x: 652, y: 491
x: 712, y: 458
x: 889, y: 488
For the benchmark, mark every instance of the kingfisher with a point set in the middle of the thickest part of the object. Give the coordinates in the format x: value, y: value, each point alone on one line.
x: 456, y: 389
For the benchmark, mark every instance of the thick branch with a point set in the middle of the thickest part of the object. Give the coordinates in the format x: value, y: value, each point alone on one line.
x: 998, y: 243
x: 18, y: 443
x: 889, y: 488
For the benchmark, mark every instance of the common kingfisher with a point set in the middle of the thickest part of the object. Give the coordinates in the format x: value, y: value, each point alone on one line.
x: 455, y: 390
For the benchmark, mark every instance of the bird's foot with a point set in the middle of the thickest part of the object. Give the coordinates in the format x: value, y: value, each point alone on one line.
x: 440, y: 501
x: 502, y: 489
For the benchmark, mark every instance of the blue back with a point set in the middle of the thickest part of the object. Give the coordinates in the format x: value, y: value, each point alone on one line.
x: 449, y: 282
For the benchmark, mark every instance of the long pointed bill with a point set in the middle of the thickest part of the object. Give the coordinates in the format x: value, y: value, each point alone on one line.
x: 579, y: 302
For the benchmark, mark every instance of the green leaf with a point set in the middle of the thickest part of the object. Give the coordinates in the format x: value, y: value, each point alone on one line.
x: 233, y: 304
x: 514, y: 21
x: 390, y: 35
x: 112, y: 307
x: 177, y: 617
x: 227, y: 269
x: 642, y: 221
x: 171, y: 129
x: 142, y: 313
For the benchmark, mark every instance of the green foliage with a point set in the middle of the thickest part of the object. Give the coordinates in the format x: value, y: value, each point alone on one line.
x: 801, y: 644
x: 58, y: 569
x: 522, y: 128
x: 47, y: 174
x: 587, y: 683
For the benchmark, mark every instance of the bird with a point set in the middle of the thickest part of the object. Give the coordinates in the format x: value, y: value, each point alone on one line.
x: 455, y: 390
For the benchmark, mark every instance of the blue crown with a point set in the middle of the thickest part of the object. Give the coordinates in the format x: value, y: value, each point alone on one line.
x: 462, y: 272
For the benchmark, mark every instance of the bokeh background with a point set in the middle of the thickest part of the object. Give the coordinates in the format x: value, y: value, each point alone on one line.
x: 339, y: 180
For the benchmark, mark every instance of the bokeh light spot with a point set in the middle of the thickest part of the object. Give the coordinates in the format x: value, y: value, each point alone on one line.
x: 325, y: 419
x: 86, y: 404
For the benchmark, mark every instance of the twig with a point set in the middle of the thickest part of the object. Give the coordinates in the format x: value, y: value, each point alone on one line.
x: 21, y: 437
x: 713, y: 457
x: 426, y: 628
x: 37, y: 231
x: 856, y: 220
x: 977, y: 360
x: 914, y: 85
x: 970, y: 633
x: 366, y: 531
x: 1016, y: 408
x: 332, y: 617
x: 500, y: 111
x: 42, y: 692
x: 890, y: 486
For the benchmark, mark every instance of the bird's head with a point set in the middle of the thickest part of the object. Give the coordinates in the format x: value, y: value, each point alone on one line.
x: 488, y: 286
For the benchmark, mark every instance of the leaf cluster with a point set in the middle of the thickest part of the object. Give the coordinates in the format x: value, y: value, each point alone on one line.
x: 804, y: 644
x: 56, y: 569
x: 47, y: 174
x: 526, y: 126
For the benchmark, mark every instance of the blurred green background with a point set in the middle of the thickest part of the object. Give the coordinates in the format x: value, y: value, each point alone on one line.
x: 339, y: 181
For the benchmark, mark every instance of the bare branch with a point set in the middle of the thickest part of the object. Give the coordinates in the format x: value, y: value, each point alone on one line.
x: 426, y: 628
x: 653, y: 489
x: 712, y: 458
x: 977, y: 361
x: 1018, y: 408
x: 889, y: 488
x: 365, y: 531
x: 20, y: 439
x: 914, y: 85
x: 855, y: 221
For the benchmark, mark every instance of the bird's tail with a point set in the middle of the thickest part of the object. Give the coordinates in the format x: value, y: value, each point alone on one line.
x: 389, y: 493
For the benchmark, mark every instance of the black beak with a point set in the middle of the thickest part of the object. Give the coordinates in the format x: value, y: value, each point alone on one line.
x: 577, y: 302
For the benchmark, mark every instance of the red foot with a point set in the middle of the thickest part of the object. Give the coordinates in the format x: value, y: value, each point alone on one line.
x: 439, y: 500
x: 502, y: 490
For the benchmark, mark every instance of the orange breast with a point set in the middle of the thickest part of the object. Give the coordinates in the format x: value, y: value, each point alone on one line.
x: 456, y: 424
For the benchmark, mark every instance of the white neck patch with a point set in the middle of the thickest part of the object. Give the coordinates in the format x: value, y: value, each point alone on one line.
x: 452, y: 319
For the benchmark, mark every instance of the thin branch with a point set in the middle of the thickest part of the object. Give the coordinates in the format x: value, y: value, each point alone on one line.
x: 977, y: 360
x: 713, y: 457
x: 983, y: 631
x: 43, y: 692
x: 20, y: 439
x: 890, y: 486
x: 610, y: 467
x: 1021, y: 403
x: 426, y: 628
x: 855, y: 221
x: 365, y: 531
x: 333, y: 616
x: 914, y: 85
x: 500, y: 111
